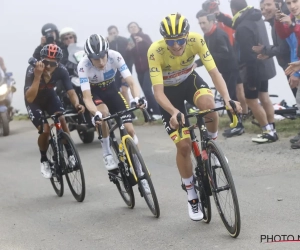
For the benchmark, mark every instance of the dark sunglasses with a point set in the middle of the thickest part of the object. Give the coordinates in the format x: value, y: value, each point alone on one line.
x: 171, y: 42
x: 50, y: 63
x: 68, y: 38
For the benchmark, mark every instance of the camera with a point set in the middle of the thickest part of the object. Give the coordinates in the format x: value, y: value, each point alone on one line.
x: 277, y: 5
x: 49, y: 37
x: 32, y: 61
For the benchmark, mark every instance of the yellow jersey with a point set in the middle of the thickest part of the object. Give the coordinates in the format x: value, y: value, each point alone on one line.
x: 170, y: 70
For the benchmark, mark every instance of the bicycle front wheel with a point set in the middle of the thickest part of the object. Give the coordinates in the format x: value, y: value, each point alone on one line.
x: 120, y: 180
x: 73, y: 168
x: 145, y: 183
x: 56, y: 180
x: 221, y: 182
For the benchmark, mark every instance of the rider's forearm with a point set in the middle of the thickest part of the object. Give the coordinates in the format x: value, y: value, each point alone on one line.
x: 73, y: 97
x: 133, y: 87
x: 90, y: 105
x: 32, y: 92
x: 164, y: 102
x: 219, y: 84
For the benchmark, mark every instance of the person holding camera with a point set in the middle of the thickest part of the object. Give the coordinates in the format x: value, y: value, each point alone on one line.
x: 41, y: 78
x: 50, y: 36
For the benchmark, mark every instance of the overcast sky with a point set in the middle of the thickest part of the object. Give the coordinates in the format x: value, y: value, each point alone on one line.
x: 21, y: 23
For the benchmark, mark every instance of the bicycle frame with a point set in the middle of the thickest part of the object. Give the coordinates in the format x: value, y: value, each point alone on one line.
x: 123, y: 135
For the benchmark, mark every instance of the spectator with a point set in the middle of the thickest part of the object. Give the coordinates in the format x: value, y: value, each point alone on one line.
x: 120, y: 44
x: 281, y: 48
x: 250, y: 31
x: 68, y: 36
x: 139, y: 45
x: 221, y: 50
x: 50, y: 35
x: 212, y: 6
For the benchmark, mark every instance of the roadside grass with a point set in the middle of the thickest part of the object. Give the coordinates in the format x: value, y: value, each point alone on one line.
x: 285, y: 128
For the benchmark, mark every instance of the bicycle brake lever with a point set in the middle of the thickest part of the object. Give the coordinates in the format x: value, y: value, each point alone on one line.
x: 100, y: 132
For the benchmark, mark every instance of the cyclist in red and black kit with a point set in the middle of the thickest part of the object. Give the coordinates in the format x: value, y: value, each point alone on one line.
x: 40, y: 97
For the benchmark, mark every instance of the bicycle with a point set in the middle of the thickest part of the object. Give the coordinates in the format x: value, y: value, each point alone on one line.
x: 205, y: 173
x: 58, y: 163
x: 132, y: 169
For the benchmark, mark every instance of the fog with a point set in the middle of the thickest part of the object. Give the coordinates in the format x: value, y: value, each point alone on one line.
x: 21, y: 23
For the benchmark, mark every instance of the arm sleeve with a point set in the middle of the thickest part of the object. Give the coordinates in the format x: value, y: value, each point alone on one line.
x: 225, y: 19
x: 28, y: 78
x: 83, y: 76
x: 204, y: 53
x: 247, y: 40
x: 121, y: 65
x: 282, y: 30
x: 36, y: 53
x: 65, y: 77
x: 155, y: 69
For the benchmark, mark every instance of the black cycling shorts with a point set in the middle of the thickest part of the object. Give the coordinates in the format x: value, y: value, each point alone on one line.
x: 190, y: 90
x: 47, y: 102
x: 113, y: 99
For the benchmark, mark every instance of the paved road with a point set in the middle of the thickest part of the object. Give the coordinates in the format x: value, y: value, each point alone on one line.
x: 33, y: 217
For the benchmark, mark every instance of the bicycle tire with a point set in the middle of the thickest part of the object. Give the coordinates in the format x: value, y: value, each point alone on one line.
x: 234, y: 230
x: 58, y: 178
x: 203, y: 197
x: 132, y: 149
x: 78, y: 169
x: 128, y: 188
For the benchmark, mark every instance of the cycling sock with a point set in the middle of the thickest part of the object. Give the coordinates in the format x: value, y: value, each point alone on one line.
x: 43, y: 156
x: 268, y: 129
x: 213, y: 135
x: 136, y: 140
x: 105, y: 146
x: 189, y: 185
x: 273, y: 127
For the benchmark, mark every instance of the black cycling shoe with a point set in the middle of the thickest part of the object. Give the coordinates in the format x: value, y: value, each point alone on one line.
x: 266, y: 137
x: 295, y: 145
x: 295, y: 139
x: 238, y: 130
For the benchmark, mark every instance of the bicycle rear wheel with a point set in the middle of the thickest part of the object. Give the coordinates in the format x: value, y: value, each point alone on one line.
x: 120, y: 180
x: 145, y: 183
x: 218, y: 166
x: 57, y: 179
x: 73, y: 168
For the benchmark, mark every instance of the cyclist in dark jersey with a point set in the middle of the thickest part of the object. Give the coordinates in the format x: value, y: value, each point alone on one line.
x: 40, y: 97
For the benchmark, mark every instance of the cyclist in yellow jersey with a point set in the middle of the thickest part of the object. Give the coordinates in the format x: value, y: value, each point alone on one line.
x: 174, y: 80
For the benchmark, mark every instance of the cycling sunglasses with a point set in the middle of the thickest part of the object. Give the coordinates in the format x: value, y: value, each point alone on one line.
x: 171, y: 42
x: 50, y: 63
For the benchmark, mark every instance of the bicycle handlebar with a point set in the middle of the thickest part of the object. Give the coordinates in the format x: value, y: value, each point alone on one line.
x: 118, y: 114
x: 236, y: 118
x: 67, y: 112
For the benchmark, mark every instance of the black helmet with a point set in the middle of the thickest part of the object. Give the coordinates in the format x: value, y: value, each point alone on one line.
x: 49, y: 27
x: 96, y: 46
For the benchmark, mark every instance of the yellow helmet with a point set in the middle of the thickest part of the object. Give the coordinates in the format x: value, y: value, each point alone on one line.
x: 174, y: 25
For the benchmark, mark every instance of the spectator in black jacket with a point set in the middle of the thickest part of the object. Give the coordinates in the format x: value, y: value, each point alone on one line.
x: 221, y: 50
x: 280, y: 47
x: 246, y: 22
x: 120, y: 44
x: 50, y: 35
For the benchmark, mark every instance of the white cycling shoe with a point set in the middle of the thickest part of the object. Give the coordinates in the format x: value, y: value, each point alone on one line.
x: 194, y: 209
x: 110, y: 163
x: 45, y: 170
